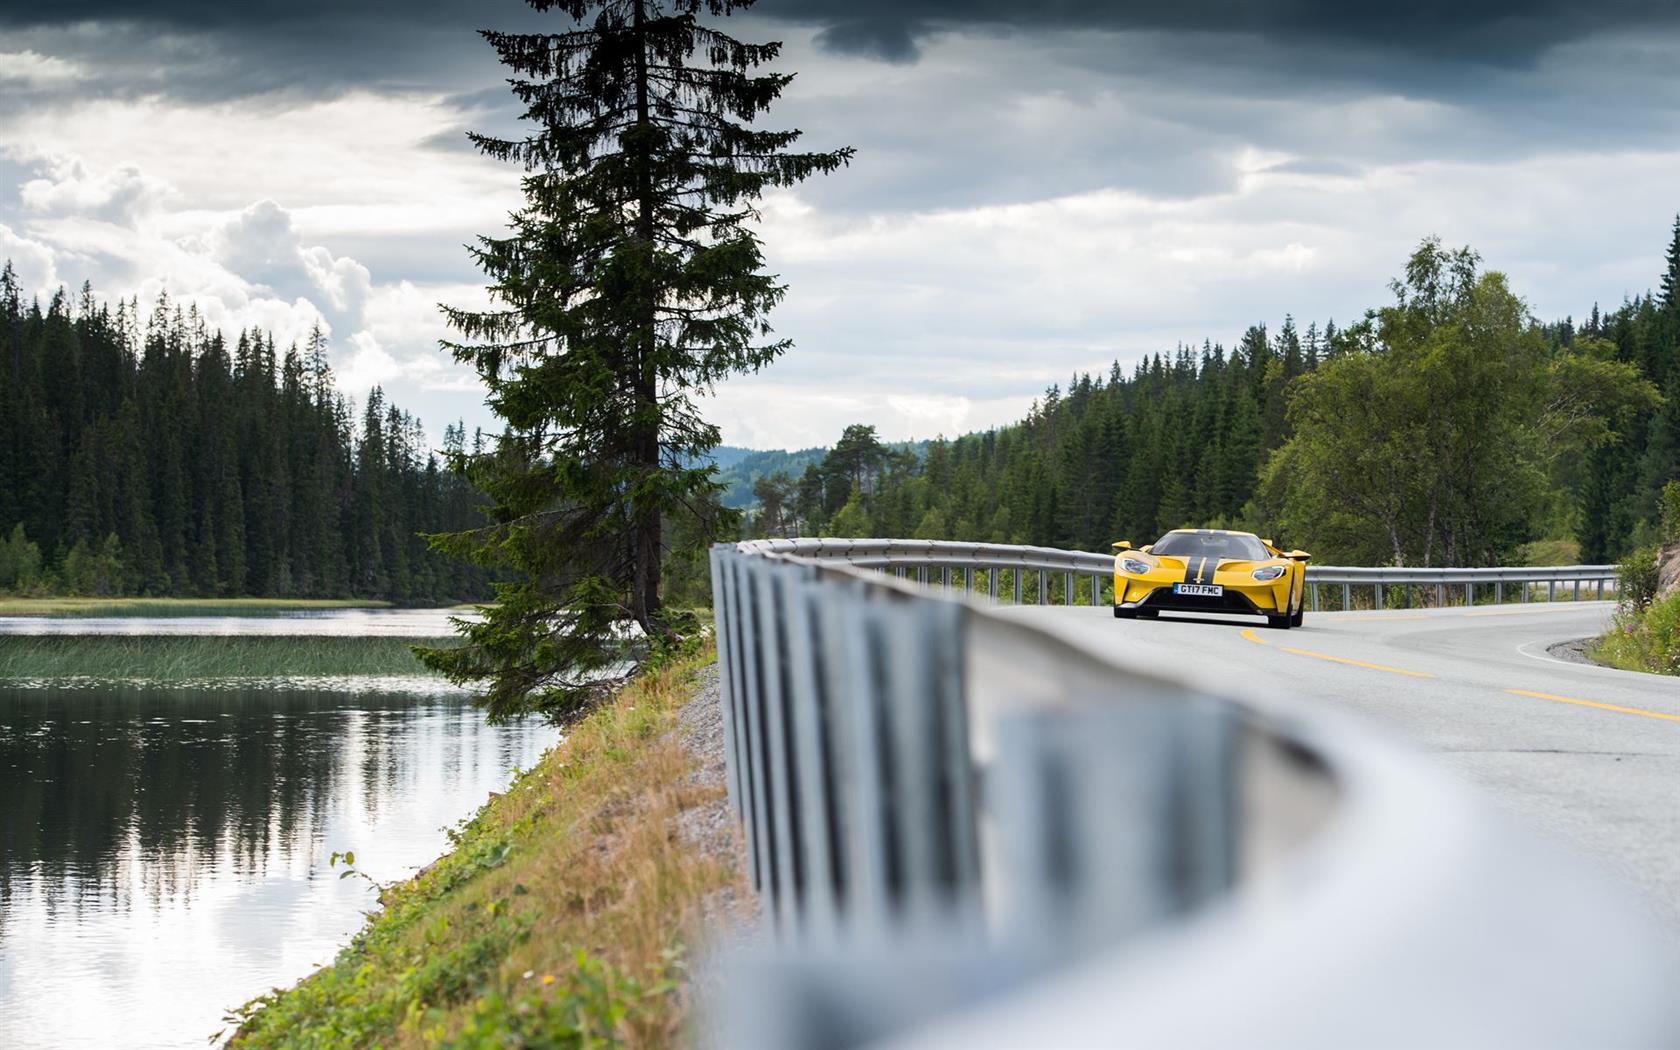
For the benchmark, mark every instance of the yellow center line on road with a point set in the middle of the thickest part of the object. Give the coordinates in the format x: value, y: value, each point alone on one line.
x: 1356, y: 663
x: 1248, y: 633
x: 1593, y: 703
x: 1563, y: 607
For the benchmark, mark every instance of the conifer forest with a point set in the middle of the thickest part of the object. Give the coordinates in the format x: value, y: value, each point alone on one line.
x: 145, y: 453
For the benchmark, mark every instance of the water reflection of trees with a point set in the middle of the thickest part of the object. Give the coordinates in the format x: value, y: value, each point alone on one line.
x: 112, y: 792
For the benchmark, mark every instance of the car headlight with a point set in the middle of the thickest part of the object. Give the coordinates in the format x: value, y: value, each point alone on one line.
x: 1135, y: 566
x: 1269, y: 572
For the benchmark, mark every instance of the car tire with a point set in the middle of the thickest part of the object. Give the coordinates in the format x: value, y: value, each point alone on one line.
x: 1281, y: 623
x: 1299, y: 618
x: 1125, y: 614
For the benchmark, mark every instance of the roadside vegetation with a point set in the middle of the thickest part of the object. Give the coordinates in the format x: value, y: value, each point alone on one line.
x: 191, y: 658
x: 1646, y: 632
x: 561, y: 917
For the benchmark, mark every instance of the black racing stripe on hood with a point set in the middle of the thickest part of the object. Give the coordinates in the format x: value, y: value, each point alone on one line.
x: 1199, y: 568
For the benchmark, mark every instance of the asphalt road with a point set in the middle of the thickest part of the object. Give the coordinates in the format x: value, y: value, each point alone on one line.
x: 1587, y: 754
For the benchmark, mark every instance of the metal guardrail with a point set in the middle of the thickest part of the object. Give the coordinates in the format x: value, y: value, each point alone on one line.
x: 1085, y: 576
x: 1460, y: 580
x: 966, y: 827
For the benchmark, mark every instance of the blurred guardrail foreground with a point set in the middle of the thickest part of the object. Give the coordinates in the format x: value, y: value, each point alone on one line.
x: 966, y: 829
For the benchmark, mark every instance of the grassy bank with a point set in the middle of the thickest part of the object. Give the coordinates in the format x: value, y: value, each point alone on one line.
x: 1644, y: 639
x: 175, y: 658
x: 176, y: 606
x: 558, y: 919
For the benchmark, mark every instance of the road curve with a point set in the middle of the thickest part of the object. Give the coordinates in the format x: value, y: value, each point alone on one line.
x: 1587, y: 754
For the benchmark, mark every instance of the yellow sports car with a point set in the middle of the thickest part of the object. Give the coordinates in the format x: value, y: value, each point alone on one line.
x: 1211, y: 571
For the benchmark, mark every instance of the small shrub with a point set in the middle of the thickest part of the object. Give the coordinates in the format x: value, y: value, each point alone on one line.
x: 1668, y: 511
x: 1636, y: 579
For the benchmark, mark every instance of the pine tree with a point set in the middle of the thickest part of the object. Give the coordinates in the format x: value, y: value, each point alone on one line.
x: 1671, y: 276
x: 629, y: 281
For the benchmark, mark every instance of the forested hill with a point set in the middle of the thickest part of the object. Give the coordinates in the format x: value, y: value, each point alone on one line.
x: 155, y: 456
x: 1446, y: 428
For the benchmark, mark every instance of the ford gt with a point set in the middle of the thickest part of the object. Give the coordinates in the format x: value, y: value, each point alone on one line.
x: 1211, y: 571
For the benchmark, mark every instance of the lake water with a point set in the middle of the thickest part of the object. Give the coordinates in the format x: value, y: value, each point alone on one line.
x: 164, y: 852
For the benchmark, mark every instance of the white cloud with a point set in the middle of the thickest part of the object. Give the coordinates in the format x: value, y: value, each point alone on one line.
x: 122, y: 195
x: 32, y: 261
x: 31, y: 68
x: 263, y: 247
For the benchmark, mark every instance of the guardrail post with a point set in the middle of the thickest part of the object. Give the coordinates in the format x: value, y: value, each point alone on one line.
x: 1043, y: 587
x: 992, y: 583
x: 867, y: 796
x: 1347, y: 596
x: 1551, y: 590
x: 726, y: 626
x: 1315, y: 597
x: 968, y: 579
x: 1601, y: 588
x: 787, y: 881
x: 818, y: 681
x: 1016, y: 574
x: 935, y: 848
x: 1469, y: 594
x: 1440, y: 596
x: 1067, y: 589
x: 1112, y: 819
x: 1499, y: 592
x: 1577, y: 590
x: 759, y: 845
x: 1096, y: 592
x: 1377, y: 597
x: 921, y: 575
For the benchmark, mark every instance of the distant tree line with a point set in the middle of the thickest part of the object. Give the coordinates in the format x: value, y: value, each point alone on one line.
x: 1446, y: 428
x: 155, y: 456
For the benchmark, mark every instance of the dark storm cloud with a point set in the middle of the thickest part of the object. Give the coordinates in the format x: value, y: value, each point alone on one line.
x: 1493, y: 32
x: 1500, y: 32
x: 198, y: 51
x: 1026, y: 108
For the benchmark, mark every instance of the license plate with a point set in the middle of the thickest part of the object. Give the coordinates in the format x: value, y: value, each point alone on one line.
x: 1199, y: 590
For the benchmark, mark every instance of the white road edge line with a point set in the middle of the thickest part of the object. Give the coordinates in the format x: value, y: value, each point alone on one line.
x: 1527, y: 647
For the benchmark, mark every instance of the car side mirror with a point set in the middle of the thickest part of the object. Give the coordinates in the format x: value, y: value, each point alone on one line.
x: 1123, y: 545
x: 1298, y: 555
x: 1269, y: 543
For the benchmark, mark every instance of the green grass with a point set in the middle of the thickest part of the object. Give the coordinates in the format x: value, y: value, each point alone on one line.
x: 170, y: 658
x: 176, y: 606
x: 1550, y: 552
x: 557, y: 919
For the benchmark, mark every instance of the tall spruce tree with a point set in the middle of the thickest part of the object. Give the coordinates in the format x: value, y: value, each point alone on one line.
x: 1671, y: 275
x: 629, y: 281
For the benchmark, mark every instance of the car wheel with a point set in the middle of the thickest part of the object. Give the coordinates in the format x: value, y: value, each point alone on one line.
x: 1299, y: 618
x: 1124, y: 614
x: 1279, y: 622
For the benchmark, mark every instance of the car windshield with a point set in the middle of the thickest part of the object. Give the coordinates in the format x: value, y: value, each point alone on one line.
x: 1210, y: 545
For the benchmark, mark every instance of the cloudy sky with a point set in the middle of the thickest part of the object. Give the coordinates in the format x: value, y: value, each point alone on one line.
x: 1039, y: 188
